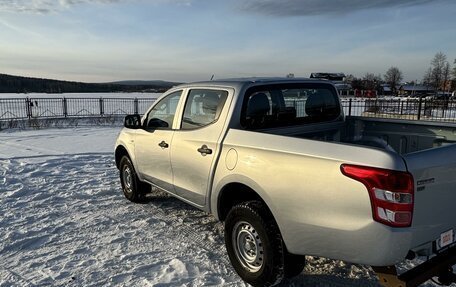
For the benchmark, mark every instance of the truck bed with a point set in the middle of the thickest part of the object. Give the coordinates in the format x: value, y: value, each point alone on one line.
x: 429, y: 153
x: 398, y: 136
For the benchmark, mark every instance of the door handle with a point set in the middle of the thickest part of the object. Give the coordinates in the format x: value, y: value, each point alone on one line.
x: 163, y: 144
x: 204, y: 150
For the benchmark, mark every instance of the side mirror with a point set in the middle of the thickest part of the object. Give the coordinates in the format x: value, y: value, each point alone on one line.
x: 132, y: 122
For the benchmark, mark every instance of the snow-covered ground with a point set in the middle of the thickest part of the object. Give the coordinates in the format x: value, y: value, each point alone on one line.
x: 64, y: 222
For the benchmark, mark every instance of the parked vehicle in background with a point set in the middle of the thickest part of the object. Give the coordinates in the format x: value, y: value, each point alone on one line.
x: 290, y: 175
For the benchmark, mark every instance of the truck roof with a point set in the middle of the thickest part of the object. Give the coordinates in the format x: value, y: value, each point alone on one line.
x: 239, y: 82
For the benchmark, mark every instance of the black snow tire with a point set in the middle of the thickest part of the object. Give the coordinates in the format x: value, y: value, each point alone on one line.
x: 294, y: 264
x: 133, y: 189
x: 254, y: 219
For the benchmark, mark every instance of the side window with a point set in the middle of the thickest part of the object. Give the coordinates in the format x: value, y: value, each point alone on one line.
x: 289, y: 104
x: 202, y: 108
x: 162, y: 115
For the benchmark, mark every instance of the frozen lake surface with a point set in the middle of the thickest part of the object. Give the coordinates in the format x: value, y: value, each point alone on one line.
x: 81, y: 95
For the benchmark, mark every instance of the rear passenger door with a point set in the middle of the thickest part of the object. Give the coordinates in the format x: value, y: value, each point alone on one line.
x: 196, y: 143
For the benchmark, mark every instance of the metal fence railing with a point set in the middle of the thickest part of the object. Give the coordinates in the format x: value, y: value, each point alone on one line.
x: 37, y: 108
x: 393, y: 108
x: 442, y: 110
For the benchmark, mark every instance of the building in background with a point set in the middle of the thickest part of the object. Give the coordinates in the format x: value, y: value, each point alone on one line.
x: 385, y: 90
x: 415, y: 90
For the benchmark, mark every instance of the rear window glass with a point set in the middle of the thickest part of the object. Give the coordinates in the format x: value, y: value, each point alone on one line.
x: 290, y: 104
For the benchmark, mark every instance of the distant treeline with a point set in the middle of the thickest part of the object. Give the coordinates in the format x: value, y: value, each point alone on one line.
x: 16, y: 84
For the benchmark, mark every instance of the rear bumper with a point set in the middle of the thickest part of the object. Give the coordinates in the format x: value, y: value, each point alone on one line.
x: 438, y: 266
x: 372, y: 244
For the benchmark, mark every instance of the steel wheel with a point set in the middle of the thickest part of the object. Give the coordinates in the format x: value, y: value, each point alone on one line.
x: 127, y: 179
x: 248, y: 246
x: 254, y: 244
x: 133, y: 189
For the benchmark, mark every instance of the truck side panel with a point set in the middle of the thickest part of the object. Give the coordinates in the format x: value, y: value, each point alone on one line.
x: 319, y: 211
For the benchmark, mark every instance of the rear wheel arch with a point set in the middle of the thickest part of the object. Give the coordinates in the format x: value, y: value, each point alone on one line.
x: 234, y: 193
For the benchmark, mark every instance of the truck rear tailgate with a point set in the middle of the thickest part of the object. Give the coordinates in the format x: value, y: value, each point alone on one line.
x: 434, y: 173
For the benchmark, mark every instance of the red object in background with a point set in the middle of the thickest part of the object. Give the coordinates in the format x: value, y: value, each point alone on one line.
x: 365, y: 93
x: 371, y: 94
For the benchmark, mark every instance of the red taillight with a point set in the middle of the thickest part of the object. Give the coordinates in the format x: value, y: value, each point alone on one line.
x: 391, y: 193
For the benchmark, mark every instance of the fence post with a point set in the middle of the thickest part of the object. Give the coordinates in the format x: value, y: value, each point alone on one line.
x: 136, y: 106
x: 443, y: 109
x: 377, y: 108
x: 402, y: 107
x: 350, y: 107
x: 28, y: 107
x: 101, y: 107
x: 65, y: 107
x: 419, y: 107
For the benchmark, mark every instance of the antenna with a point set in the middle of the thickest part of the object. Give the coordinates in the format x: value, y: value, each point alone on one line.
x: 212, y: 77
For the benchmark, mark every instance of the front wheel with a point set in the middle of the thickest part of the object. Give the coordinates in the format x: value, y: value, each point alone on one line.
x: 254, y: 244
x: 133, y: 189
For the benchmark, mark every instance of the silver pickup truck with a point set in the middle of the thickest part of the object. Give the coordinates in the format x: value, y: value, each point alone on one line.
x: 290, y: 175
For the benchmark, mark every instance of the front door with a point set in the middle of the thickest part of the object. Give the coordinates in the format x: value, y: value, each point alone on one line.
x: 152, y: 144
x: 197, y: 143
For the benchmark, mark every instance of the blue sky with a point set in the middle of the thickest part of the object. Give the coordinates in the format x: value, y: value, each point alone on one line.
x: 187, y: 40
